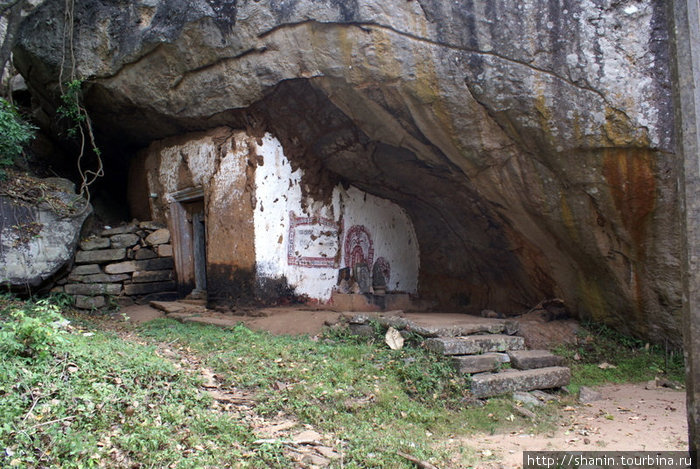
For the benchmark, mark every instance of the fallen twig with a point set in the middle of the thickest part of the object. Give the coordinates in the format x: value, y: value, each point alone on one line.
x: 416, y: 461
x: 52, y: 421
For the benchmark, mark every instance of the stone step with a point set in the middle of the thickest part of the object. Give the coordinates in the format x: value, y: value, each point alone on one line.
x: 496, y: 384
x: 397, y: 321
x: 475, y: 344
x: 478, y: 363
x: 529, y: 359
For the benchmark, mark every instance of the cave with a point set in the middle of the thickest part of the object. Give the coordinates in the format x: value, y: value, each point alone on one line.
x: 527, y: 175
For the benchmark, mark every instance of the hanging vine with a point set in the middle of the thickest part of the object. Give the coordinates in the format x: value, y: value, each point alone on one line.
x: 71, y: 107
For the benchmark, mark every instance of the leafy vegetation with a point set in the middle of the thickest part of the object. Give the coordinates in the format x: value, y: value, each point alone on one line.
x: 15, y: 134
x: 602, y: 355
x: 76, y: 398
x: 70, y: 108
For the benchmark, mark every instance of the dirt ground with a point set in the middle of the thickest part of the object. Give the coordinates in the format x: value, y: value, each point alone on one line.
x: 627, y: 417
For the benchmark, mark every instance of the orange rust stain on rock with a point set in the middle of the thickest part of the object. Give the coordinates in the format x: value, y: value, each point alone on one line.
x: 630, y: 175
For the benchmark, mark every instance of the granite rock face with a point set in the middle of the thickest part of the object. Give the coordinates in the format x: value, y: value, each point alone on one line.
x: 531, y: 142
x: 38, y: 240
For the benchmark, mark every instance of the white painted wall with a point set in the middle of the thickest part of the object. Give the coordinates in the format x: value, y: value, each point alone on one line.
x: 278, y: 193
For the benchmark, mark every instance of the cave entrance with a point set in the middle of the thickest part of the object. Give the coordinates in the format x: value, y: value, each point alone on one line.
x: 189, y: 241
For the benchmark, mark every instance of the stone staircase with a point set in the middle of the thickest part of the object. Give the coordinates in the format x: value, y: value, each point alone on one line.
x: 483, y: 349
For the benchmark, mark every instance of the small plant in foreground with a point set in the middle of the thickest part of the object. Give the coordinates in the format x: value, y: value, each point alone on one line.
x: 30, y: 330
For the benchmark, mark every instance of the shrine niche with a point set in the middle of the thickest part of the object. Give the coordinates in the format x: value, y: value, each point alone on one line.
x: 359, y: 248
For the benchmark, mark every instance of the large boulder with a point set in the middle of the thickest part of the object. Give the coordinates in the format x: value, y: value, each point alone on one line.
x: 40, y: 224
x: 531, y: 142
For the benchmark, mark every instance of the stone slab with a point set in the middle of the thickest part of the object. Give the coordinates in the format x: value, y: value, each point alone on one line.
x: 477, y: 363
x: 88, y: 269
x: 145, y: 288
x: 133, y: 266
x: 168, y: 307
x: 152, y: 276
x: 426, y: 330
x: 151, y: 225
x: 528, y: 359
x: 92, y: 289
x: 98, y: 278
x: 144, y: 253
x: 89, y: 302
x: 164, y: 250
x: 161, y: 236
x: 475, y: 344
x: 119, y: 230
x: 125, y: 240
x: 91, y: 244
x: 98, y: 256
x: 496, y: 384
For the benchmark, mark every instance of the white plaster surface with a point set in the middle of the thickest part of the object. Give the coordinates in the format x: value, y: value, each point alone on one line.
x: 278, y: 193
x: 317, y: 247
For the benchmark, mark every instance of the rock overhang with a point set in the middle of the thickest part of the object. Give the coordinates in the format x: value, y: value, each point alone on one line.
x: 529, y: 145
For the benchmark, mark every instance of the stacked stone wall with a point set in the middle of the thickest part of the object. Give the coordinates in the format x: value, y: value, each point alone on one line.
x: 124, y: 263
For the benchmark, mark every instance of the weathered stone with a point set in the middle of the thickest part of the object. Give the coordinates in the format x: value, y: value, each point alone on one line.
x: 125, y: 240
x: 57, y: 289
x: 99, y: 278
x: 89, y: 302
x: 495, y: 384
x: 474, y: 344
x: 132, y: 266
x: 92, y: 289
x: 396, y: 320
x: 526, y: 359
x: 95, y: 243
x: 363, y: 330
x: 315, y: 460
x: 124, y: 301
x: 144, y: 253
x: 477, y: 363
x: 527, y: 399
x: 86, y: 269
x: 168, y: 307
x: 98, y: 256
x: 161, y: 236
x: 164, y: 250
x: 587, y: 395
x: 511, y: 327
x: 544, y: 396
x: 145, y: 288
x: 36, y: 242
x: 152, y: 276
x: 152, y: 225
x: 359, y: 319
x: 119, y: 230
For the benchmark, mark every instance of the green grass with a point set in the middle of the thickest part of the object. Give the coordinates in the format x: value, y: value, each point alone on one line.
x: 632, y: 360
x: 97, y: 400
x: 377, y: 401
x: 75, y: 396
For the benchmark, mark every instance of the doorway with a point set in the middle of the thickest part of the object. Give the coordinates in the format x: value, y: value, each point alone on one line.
x: 189, y: 234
